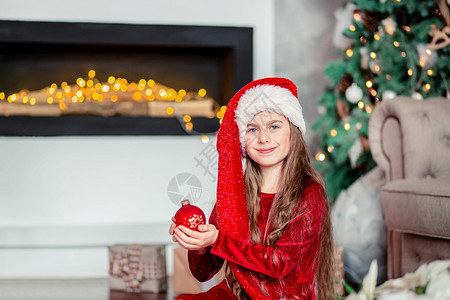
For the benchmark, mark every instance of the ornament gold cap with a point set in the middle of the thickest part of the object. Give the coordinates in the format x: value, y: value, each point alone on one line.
x: 185, y: 202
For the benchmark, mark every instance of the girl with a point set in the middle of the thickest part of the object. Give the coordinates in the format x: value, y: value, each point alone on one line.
x: 271, y: 224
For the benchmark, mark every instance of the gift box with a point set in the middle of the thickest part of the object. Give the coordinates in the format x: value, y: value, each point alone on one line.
x: 183, y: 280
x: 137, y: 268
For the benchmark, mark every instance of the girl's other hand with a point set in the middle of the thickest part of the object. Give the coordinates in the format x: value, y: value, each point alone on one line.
x: 196, y: 240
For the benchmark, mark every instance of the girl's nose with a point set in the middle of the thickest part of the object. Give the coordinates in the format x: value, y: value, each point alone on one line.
x: 263, y: 137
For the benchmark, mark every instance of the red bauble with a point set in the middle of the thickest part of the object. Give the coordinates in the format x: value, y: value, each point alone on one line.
x: 189, y: 215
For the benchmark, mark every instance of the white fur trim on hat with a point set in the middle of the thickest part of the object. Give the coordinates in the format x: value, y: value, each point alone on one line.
x: 269, y: 98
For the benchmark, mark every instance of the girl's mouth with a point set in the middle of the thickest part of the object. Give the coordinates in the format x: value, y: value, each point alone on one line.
x: 266, y: 151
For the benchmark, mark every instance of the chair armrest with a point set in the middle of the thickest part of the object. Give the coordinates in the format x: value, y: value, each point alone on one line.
x: 385, y: 139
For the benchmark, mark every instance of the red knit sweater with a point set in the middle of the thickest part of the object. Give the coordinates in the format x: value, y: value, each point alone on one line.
x: 286, y: 269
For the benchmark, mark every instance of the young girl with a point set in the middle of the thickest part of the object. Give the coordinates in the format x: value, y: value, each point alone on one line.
x: 271, y: 224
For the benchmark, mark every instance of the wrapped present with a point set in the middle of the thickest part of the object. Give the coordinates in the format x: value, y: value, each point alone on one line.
x: 137, y: 268
x: 183, y: 280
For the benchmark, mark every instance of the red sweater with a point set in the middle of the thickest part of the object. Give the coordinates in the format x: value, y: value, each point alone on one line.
x: 287, y: 268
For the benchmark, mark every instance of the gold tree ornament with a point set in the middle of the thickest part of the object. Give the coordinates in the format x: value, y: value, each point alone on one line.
x: 440, y: 38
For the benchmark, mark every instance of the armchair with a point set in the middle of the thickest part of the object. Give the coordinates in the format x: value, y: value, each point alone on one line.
x: 410, y: 141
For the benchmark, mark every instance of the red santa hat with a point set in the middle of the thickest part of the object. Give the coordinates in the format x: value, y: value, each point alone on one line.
x: 269, y: 94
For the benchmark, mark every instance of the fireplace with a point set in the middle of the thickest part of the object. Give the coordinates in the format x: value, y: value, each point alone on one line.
x: 33, y: 55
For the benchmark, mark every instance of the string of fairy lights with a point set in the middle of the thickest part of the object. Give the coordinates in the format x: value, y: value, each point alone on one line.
x: 90, y: 89
x: 417, y: 71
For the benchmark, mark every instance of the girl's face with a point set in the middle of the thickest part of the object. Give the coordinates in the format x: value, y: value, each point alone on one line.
x: 268, y: 139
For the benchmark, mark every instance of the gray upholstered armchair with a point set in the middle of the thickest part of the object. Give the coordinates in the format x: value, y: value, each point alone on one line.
x: 410, y: 141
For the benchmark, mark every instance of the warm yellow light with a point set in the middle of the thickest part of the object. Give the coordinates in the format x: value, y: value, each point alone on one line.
x: 330, y: 148
x: 333, y: 132
x: 67, y: 89
x: 81, y: 82
x: 187, y: 118
x: 33, y: 101
x: 373, y: 92
x: 430, y: 72
x: 81, y: 99
x: 220, y: 114
x: 25, y: 99
x: 406, y: 28
x: 202, y: 92
x: 62, y: 106
x: 427, y: 86
x: 171, y: 94
x: 373, y: 55
x: 74, y: 99
x: 114, y: 98
x: 95, y: 96
x: 79, y: 93
x: 151, y: 97
x: 347, y: 126
x: 137, y: 96
x: 163, y: 93
x: 421, y: 63
x: 142, y: 82
x: 91, y: 74
x: 428, y: 51
x: 148, y: 92
x: 352, y: 28
x: 169, y: 110
x: 105, y: 88
x: 377, y: 68
x: 50, y: 100
x: 63, y: 84
x: 181, y: 93
x: 410, y: 72
x: 116, y: 87
x: 59, y: 95
x: 368, y: 109
x: 223, y: 108
x: 360, y: 105
x: 369, y: 83
x: 98, y: 86
x: 111, y: 79
x: 141, y: 87
x: 90, y: 83
x: 54, y: 85
x: 376, y: 36
x: 14, y: 97
x: 150, y: 82
x: 349, y: 52
x: 189, y: 126
x: 100, y: 97
x: 2, y: 96
x: 320, y: 156
x: 124, y: 87
x: 396, y: 44
x: 205, y: 139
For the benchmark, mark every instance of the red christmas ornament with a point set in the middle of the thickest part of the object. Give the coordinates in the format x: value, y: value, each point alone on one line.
x: 189, y: 215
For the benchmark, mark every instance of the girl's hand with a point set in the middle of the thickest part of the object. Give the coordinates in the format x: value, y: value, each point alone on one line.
x: 195, y: 240
x: 172, y: 228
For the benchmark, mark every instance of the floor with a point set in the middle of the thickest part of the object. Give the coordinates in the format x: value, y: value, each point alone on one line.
x: 70, y: 289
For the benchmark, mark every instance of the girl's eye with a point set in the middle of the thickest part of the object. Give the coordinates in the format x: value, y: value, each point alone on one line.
x: 251, y: 130
x: 274, y: 127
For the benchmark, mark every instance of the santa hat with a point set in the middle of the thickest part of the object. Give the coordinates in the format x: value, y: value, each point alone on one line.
x: 268, y: 94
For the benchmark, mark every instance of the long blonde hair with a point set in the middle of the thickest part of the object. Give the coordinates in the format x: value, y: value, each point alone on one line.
x: 297, y: 168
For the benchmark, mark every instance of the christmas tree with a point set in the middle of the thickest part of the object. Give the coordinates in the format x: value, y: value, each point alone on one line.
x: 388, y: 48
